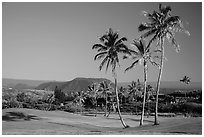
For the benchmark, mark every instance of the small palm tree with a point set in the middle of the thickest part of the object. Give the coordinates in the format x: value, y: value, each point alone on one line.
x: 186, y: 80
x: 79, y: 99
x: 93, y: 94
x: 104, y: 90
x: 134, y: 92
x: 149, y: 94
x: 51, y: 99
x: 109, y: 49
x: 121, y: 94
x: 161, y: 25
x: 141, y: 54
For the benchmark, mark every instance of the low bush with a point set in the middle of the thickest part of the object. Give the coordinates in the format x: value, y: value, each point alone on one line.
x: 73, y: 108
x: 182, y: 108
x: 11, y: 104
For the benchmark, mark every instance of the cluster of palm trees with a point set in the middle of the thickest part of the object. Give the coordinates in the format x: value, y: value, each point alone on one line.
x: 161, y: 25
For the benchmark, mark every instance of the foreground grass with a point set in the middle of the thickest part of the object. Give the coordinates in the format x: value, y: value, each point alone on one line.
x: 28, y: 121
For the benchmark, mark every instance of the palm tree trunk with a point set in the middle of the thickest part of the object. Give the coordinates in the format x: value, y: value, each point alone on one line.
x: 96, y: 106
x: 144, y: 98
x: 136, y: 106
x: 106, y: 104
x: 81, y: 106
x: 158, y: 82
x: 118, y: 106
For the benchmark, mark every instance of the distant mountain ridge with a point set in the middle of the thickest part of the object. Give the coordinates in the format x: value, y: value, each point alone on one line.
x: 21, y: 83
x: 75, y: 85
x: 79, y: 84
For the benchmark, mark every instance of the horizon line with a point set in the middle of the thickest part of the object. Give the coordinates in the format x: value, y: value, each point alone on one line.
x: 88, y: 77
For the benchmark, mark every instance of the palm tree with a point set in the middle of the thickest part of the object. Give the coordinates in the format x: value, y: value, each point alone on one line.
x: 122, y: 93
x: 51, y: 99
x: 79, y: 99
x: 134, y: 92
x: 186, y: 80
x: 141, y: 53
x: 93, y: 94
x: 104, y: 90
x: 161, y: 25
x: 109, y: 49
x: 149, y: 94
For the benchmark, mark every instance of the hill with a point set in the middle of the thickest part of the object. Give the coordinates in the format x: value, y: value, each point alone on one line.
x: 21, y: 83
x: 76, y: 85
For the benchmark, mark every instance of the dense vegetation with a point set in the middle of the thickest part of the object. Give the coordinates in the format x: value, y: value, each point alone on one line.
x: 188, y: 103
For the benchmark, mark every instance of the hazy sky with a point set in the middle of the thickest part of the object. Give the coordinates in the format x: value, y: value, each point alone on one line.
x: 52, y: 41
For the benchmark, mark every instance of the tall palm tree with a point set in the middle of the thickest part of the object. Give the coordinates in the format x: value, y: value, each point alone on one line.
x: 111, y: 46
x: 141, y: 54
x: 104, y: 90
x: 161, y: 25
x: 93, y: 94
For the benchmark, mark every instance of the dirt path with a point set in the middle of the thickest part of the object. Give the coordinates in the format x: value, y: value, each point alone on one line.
x: 28, y: 121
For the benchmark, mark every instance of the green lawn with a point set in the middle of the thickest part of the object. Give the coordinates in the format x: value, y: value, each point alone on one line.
x: 28, y: 121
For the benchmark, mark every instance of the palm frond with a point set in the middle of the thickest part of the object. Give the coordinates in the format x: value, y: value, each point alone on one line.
x: 117, y: 61
x: 102, y: 63
x: 148, y: 33
x: 149, y: 16
x: 104, y: 38
x: 121, y: 46
x: 173, y: 20
x: 144, y: 26
x: 174, y: 43
x: 153, y: 39
x: 154, y: 63
x: 139, y: 43
x: 113, y: 63
x: 133, y: 52
x: 172, y: 40
x: 121, y: 40
x: 107, y: 65
x: 132, y: 66
x: 96, y: 46
x: 164, y: 10
x: 100, y: 55
x: 126, y: 57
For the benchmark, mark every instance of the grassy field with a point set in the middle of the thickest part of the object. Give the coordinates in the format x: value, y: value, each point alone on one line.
x: 29, y: 122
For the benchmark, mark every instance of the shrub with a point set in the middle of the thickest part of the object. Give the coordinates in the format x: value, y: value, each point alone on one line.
x: 21, y: 97
x: 46, y: 107
x: 70, y: 107
x: 59, y: 95
x: 11, y: 104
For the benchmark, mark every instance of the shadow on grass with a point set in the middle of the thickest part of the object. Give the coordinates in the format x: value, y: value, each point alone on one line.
x: 150, y: 121
x: 16, y: 116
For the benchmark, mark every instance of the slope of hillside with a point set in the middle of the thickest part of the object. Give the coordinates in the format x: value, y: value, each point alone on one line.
x: 76, y: 85
x: 21, y: 83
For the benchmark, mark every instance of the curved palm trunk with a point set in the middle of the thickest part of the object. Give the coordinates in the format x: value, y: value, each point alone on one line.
x: 144, y: 98
x: 158, y: 82
x: 118, y: 107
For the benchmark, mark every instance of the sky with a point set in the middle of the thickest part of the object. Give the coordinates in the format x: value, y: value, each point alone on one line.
x: 53, y: 41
